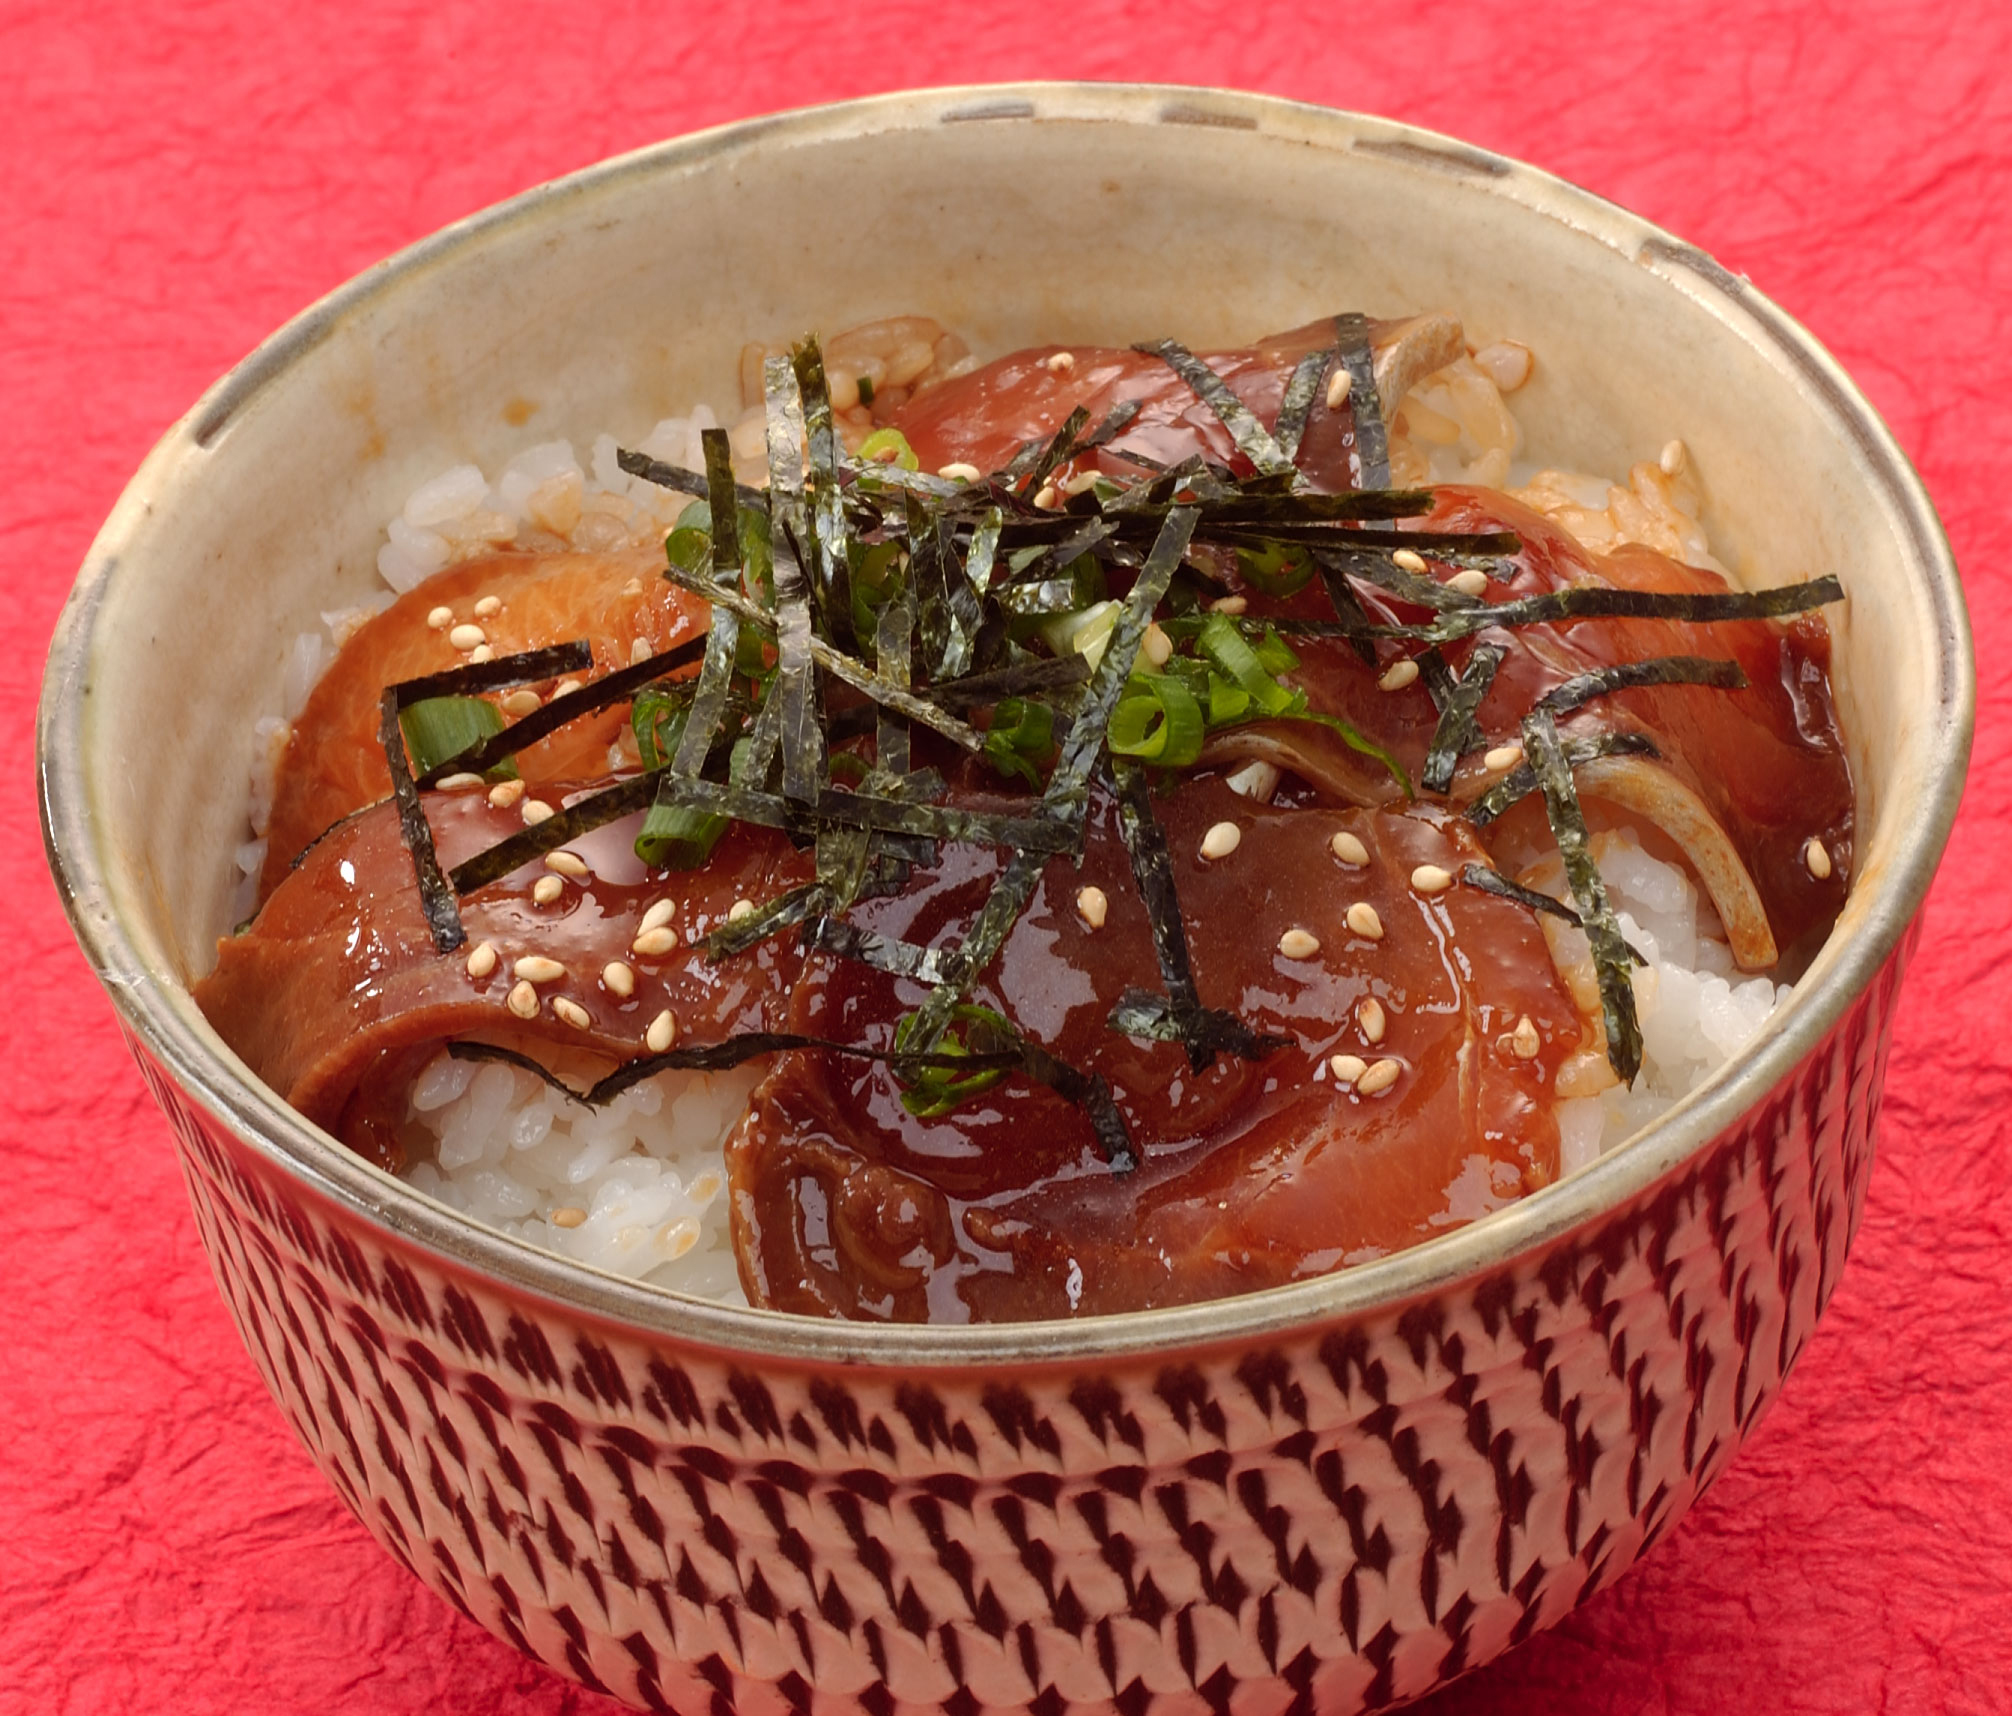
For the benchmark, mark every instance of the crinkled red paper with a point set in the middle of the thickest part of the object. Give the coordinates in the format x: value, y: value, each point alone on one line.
x: 181, y: 177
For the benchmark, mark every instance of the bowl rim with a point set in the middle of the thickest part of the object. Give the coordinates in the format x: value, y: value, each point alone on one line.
x: 162, y: 1022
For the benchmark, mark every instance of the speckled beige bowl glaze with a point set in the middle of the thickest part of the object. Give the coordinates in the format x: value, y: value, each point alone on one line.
x: 1332, y: 1496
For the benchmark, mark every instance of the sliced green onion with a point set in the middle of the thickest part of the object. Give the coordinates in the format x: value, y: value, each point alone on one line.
x: 1022, y: 734
x: 679, y: 837
x: 1084, y: 632
x: 437, y: 728
x: 888, y: 447
x: 1157, y: 721
x: 934, y: 1090
x: 1221, y: 642
x: 1276, y: 569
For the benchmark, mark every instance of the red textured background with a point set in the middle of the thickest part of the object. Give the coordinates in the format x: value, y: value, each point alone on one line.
x: 177, y: 179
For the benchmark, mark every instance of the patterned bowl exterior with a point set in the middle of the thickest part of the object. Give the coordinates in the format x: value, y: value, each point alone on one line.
x: 1337, y: 1520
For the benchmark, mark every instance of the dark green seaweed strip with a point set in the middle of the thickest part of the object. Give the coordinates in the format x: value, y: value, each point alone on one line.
x: 1372, y: 440
x: 1041, y: 835
x: 833, y: 587
x: 1521, y: 781
x: 845, y: 940
x: 893, y: 627
x: 1116, y: 421
x: 1599, y: 602
x: 1452, y: 545
x: 794, y: 693
x: 614, y: 687
x: 1061, y: 446
x: 1350, y: 621
x: 1349, y: 506
x: 1456, y: 733
x: 709, y: 701
x: 505, y: 671
x: 1603, y: 933
x: 1073, y: 548
x: 1582, y: 688
x: 436, y: 898
x: 1040, y: 673
x: 1302, y: 388
x: 1087, y: 1091
x: 1383, y: 572
x: 596, y: 810
x: 1252, y: 438
x: 771, y: 917
x: 684, y: 482
x: 1494, y: 882
x: 719, y: 456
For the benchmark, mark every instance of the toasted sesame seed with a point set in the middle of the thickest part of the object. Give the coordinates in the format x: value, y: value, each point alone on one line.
x: 639, y: 651
x: 1816, y: 856
x: 652, y: 943
x: 1347, y: 1068
x: 1472, y: 582
x: 547, y: 889
x: 459, y: 783
x: 618, y: 979
x: 1408, y: 560
x: 1379, y: 1078
x: 740, y: 909
x: 1092, y: 906
x: 440, y: 619
x: 568, y: 1215
x: 1231, y: 605
x: 1524, y: 1041
x: 1299, y: 944
x: 523, y: 1001
x: 1431, y: 879
x: 1082, y: 482
x: 1157, y: 647
x: 506, y: 793
x: 1348, y: 849
x: 467, y: 636
x: 479, y: 654
x: 1061, y: 363
x: 482, y: 959
x: 1362, y: 919
x: 489, y: 607
x: 568, y: 864
x: 1399, y: 674
x: 535, y: 811
x: 573, y: 1013
x: 521, y: 702
x: 663, y: 1032
x: 1338, y: 384
x: 1673, y: 458
x: 565, y: 688
x: 1222, y: 839
x: 959, y: 472
x: 1502, y: 757
x: 1048, y: 497
x: 658, y: 915
x: 1369, y: 1015
x: 536, y: 968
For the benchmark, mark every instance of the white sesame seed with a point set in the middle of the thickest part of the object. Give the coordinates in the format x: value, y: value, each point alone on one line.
x: 1524, y: 1041
x: 1347, y: 1068
x: 479, y: 654
x: 1399, y: 674
x: 1369, y: 1015
x: 467, y: 636
x: 1472, y: 582
x: 506, y: 793
x: 489, y: 607
x: 573, y: 1013
x: 959, y: 472
x: 440, y: 619
x: 1299, y: 944
x: 653, y: 943
x: 535, y: 811
x: 1061, y: 363
x: 663, y: 1032
x: 1408, y: 560
x: 1674, y: 456
x: 1231, y: 605
x: 568, y: 864
x: 1048, y: 497
x: 1816, y: 856
x: 1379, y: 1078
x: 568, y: 1215
x: 1222, y: 839
x: 1092, y: 906
x: 459, y: 783
x: 523, y: 1001
x: 547, y: 889
x: 1348, y: 849
x: 639, y: 651
x: 740, y: 909
x: 1338, y: 384
x: 1362, y: 919
x: 658, y: 915
x: 1157, y: 647
x: 618, y: 979
x: 1431, y: 879
x: 1502, y: 757
x: 521, y: 702
x: 482, y: 959
x: 565, y: 688
x: 536, y: 968
x: 1082, y: 482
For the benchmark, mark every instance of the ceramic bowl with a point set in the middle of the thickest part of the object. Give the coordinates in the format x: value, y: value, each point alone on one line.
x: 1330, y: 1496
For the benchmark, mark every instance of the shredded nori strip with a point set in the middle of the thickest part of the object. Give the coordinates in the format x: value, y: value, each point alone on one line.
x: 1306, y: 384
x: 835, y: 936
x: 1372, y: 441
x: 1494, y: 882
x: 1038, y: 673
x: 1205, y: 1031
x: 436, y: 898
x: 784, y: 911
x: 1521, y: 781
x: 683, y: 481
x: 1582, y: 688
x: 1252, y: 438
x: 596, y: 810
x: 498, y: 675
x: 709, y: 701
x: 1603, y: 933
x: 1060, y: 447
x: 794, y: 692
x: 1599, y: 602
x: 1456, y: 733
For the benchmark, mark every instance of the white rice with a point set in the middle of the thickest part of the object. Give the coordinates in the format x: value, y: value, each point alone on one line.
x: 638, y: 1188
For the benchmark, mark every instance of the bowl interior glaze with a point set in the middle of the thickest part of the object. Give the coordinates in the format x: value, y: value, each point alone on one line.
x: 623, y: 294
